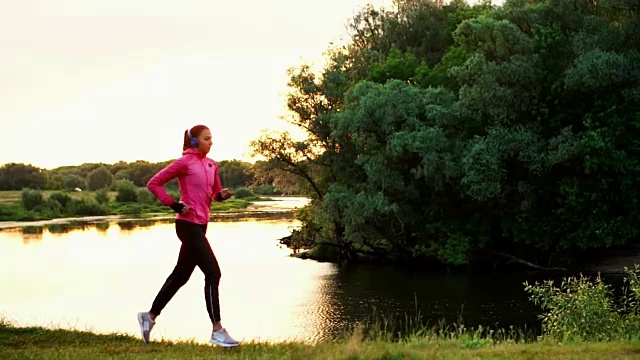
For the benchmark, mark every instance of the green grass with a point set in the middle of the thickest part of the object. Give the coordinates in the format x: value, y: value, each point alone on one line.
x: 11, y: 208
x: 231, y: 204
x: 13, y: 196
x: 40, y: 343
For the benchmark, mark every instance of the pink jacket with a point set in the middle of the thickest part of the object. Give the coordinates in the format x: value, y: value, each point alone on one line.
x: 199, y: 182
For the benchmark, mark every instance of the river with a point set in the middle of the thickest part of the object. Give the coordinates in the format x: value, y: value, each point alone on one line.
x: 96, y: 276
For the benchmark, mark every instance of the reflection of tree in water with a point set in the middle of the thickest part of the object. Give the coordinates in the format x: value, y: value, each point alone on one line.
x: 146, y: 222
x: 126, y: 225
x: 166, y: 221
x: 406, y: 298
x: 32, y: 230
x: 35, y: 232
x: 59, y: 228
x: 63, y: 228
x: 102, y: 226
x: 32, y: 234
x: 142, y: 223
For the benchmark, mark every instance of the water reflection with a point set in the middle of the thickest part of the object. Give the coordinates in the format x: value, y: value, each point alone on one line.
x: 103, y: 225
x: 36, y: 233
x: 487, y: 299
x: 99, y: 276
x: 32, y: 234
x: 62, y: 228
x: 132, y: 224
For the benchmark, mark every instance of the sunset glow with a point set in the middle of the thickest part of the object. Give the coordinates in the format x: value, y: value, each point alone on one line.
x: 103, y: 81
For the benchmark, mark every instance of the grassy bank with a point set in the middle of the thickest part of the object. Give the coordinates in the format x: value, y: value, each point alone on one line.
x: 14, y: 196
x: 12, y: 208
x: 39, y: 343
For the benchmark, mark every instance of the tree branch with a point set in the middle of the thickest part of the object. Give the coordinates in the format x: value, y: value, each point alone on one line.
x: 524, y: 262
x: 304, y: 175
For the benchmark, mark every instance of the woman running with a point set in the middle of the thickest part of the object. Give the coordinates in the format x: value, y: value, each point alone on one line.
x: 199, y: 183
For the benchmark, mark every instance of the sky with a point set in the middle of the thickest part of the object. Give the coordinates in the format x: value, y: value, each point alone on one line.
x: 102, y: 81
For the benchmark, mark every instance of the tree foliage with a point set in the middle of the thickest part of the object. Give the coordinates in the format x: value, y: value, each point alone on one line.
x: 99, y: 178
x: 15, y: 176
x: 454, y: 131
x: 95, y: 176
x: 235, y: 173
x: 73, y: 181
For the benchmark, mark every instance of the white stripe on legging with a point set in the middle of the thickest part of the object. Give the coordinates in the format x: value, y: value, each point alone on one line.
x: 211, y: 304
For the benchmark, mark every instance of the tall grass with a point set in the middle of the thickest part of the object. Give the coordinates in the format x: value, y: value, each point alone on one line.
x: 407, y: 329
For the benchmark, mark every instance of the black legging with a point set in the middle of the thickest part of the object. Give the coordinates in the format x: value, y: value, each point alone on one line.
x: 194, y: 251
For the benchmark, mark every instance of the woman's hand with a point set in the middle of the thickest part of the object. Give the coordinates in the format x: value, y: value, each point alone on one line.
x: 180, y: 208
x: 225, y: 194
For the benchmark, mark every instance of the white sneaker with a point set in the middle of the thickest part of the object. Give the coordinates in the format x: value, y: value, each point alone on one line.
x: 146, y: 324
x: 222, y: 338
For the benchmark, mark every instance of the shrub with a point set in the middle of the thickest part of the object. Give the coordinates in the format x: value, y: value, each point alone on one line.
x: 145, y: 196
x: 122, y: 175
x: 102, y: 196
x: 50, y: 208
x: 13, y: 212
x: 127, y: 191
x: 60, y: 197
x: 31, y: 198
x: 87, y: 207
x: 582, y: 309
x: 174, y: 193
x: 99, y: 178
x: 265, y: 190
x: 130, y: 209
x: 242, y: 192
x: 73, y: 181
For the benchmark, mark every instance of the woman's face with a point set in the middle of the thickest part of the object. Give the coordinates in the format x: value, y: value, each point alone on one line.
x: 204, y: 141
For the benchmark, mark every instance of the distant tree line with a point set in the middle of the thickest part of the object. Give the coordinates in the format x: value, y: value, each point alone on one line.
x: 96, y: 176
x: 445, y: 132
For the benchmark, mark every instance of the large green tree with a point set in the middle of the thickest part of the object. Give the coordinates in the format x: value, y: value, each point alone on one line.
x: 100, y: 178
x: 234, y: 173
x: 14, y: 176
x: 456, y: 131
